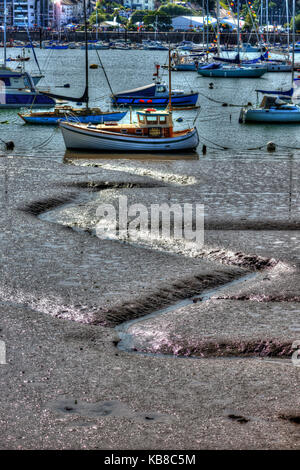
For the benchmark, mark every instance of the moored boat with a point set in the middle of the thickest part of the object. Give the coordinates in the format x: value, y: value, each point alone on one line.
x: 271, y: 110
x: 227, y: 71
x: 68, y: 113
x: 156, y: 94
x: 152, y: 133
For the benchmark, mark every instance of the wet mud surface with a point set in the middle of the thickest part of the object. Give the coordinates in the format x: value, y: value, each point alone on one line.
x: 63, y: 291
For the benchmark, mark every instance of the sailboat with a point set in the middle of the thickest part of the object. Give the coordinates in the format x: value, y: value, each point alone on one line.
x: 153, y: 132
x: 69, y: 113
x: 17, y: 88
x: 218, y: 69
x: 273, y: 108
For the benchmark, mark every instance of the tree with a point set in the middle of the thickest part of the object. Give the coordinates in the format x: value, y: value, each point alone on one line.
x: 159, y: 18
x: 176, y: 10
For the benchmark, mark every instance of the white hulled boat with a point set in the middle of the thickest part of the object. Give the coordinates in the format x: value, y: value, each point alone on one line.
x: 152, y: 133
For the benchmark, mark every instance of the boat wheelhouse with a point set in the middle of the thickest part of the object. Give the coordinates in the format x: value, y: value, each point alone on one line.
x: 17, y: 90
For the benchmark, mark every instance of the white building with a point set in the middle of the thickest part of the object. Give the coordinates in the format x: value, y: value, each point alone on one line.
x: 66, y: 11
x: 139, y: 4
x: 24, y: 13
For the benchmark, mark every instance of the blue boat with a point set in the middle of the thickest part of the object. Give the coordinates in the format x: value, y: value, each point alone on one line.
x: 18, y: 91
x: 67, y: 113
x: 156, y: 94
x: 85, y: 115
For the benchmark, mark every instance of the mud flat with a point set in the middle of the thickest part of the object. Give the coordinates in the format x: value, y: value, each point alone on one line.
x: 63, y: 292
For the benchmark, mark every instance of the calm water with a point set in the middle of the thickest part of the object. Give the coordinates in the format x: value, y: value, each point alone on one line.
x: 217, y: 125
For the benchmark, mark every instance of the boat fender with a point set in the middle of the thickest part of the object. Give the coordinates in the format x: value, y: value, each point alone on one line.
x: 271, y: 147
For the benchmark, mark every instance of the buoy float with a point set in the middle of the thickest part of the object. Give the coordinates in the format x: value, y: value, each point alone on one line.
x: 271, y: 147
x: 93, y: 66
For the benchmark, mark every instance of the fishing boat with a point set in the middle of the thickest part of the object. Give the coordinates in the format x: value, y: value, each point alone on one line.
x: 18, y: 90
x: 62, y: 113
x: 153, y: 132
x: 156, y: 94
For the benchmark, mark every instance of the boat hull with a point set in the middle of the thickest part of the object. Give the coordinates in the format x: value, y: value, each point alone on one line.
x: 21, y: 100
x: 232, y: 73
x: 271, y: 116
x: 185, y: 68
x: 54, y: 120
x: 158, y: 102
x: 76, y: 137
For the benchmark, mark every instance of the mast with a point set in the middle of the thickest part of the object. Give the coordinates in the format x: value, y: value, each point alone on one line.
x: 203, y: 30
x: 170, y: 96
x: 238, y: 28
x: 293, y: 56
x: 218, y: 27
x: 4, y: 32
x: 288, y: 24
x: 267, y: 20
x: 170, y: 84
x: 86, y: 56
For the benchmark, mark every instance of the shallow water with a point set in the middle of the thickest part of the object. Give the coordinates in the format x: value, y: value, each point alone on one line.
x: 217, y: 125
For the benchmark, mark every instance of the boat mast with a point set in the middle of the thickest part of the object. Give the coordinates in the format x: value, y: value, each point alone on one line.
x: 267, y: 20
x: 4, y: 32
x: 203, y: 30
x: 170, y: 83
x: 86, y: 56
x: 294, y: 28
x: 288, y: 24
x: 238, y: 28
x: 170, y: 96
x: 218, y: 27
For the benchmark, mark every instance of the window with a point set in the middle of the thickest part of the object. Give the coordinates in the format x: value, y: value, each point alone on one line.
x: 162, y: 119
x: 152, y: 119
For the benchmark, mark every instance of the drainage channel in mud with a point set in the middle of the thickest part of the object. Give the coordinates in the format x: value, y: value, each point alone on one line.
x: 126, y: 343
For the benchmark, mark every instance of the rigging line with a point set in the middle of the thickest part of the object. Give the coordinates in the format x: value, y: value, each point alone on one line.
x: 49, y: 138
x: 222, y: 102
x: 104, y: 71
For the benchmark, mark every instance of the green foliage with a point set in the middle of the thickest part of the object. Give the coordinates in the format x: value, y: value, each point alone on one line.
x: 163, y: 21
x: 176, y: 10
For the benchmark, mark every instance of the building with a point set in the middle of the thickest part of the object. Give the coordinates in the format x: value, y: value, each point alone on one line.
x: 9, y: 12
x: 139, y: 4
x: 24, y: 13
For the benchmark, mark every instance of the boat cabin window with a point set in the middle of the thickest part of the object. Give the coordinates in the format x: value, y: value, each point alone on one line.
x: 162, y: 119
x: 152, y: 119
x: 161, y: 89
x: 141, y: 118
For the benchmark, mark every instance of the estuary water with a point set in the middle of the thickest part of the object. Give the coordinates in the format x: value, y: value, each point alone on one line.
x: 217, y: 119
